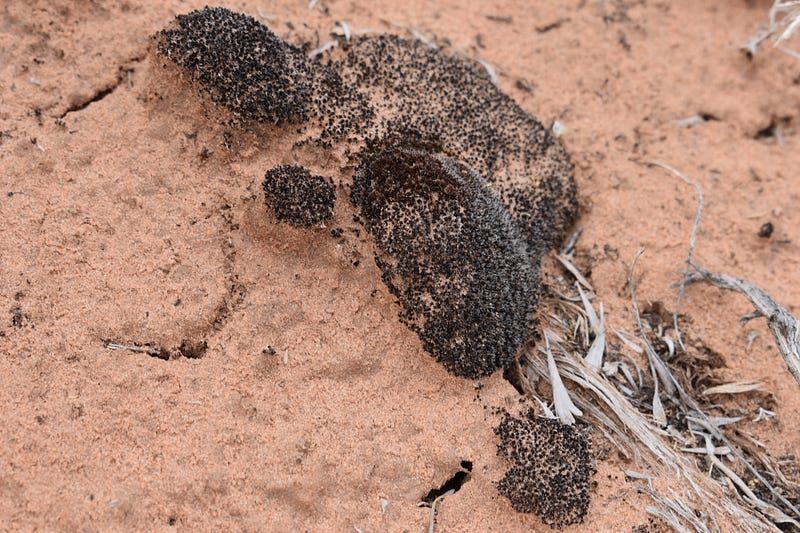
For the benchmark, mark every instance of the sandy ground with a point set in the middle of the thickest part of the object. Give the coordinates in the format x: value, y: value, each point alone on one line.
x: 125, y: 218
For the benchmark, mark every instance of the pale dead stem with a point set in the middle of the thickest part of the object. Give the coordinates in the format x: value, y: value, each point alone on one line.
x: 701, y: 202
x: 608, y: 403
x: 434, y: 503
x: 784, y: 326
x: 784, y: 22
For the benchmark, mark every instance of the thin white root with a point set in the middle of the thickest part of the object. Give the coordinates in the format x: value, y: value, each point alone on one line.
x: 433, y: 509
x: 692, y: 241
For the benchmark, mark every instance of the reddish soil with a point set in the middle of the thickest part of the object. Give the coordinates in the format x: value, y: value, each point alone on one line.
x: 125, y: 218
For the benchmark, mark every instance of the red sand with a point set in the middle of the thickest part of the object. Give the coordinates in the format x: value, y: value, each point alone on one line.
x: 115, y: 228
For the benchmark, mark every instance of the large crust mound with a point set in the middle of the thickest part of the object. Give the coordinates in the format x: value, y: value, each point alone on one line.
x: 459, y: 238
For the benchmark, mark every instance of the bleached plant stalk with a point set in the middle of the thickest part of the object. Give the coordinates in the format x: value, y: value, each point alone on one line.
x: 784, y: 23
x: 595, y: 355
x: 565, y: 409
x: 784, y: 15
x: 784, y: 326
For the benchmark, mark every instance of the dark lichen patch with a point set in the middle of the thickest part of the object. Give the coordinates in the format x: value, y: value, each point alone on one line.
x: 468, y: 288
x: 241, y: 64
x: 412, y: 87
x: 298, y: 197
x: 380, y: 87
x: 550, y: 468
x: 450, y: 253
x: 258, y: 76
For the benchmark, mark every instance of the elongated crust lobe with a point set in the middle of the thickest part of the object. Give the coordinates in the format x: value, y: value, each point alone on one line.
x: 451, y: 255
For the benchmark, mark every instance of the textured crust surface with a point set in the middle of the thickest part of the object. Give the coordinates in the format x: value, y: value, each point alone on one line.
x: 451, y: 255
x: 297, y: 197
x: 551, y: 467
x: 447, y: 99
x: 241, y: 64
x: 384, y: 87
x: 460, y: 234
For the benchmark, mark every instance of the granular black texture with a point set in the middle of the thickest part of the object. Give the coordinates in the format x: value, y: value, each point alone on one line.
x: 298, y: 197
x: 381, y: 87
x: 241, y: 64
x: 451, y: 255
x: 414, y: 88
x: 550, y: 471
x: 466, y: 291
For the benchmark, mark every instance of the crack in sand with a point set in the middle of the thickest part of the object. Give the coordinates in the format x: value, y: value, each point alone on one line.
x: 123, y: 75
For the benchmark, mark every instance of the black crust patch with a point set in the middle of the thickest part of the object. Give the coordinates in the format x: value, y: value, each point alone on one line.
x: 551, y: 468
x: 298, y: 197
x: 469, y: 286
x: 241, y: 64
x: 414, y: 88
x: 450, y: 254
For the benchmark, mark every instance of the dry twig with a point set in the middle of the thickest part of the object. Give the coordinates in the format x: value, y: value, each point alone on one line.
x: 784, y: 326
x: 692, y: 241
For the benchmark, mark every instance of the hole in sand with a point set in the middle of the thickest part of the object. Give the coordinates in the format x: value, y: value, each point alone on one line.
x: 774, y: 130
x: 454, y: 483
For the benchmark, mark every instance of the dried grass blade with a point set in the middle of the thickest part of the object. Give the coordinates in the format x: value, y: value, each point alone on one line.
x: 734, y: 388
x: 565, y: 408
x: 624, y: 337
x: 670, y: 385
x: 564, y: 260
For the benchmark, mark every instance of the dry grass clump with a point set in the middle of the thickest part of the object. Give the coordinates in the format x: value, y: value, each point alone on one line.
x: 654, y: 395
x: 647, y: 398
x: 784, y: 22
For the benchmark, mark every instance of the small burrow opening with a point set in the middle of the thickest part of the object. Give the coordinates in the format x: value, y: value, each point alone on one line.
x: 193, y: 349
x: 455, y: 483
x: 774, y: 130
x: 188, y: 349
x: 158, y: 353
x: 513, y: 375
